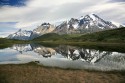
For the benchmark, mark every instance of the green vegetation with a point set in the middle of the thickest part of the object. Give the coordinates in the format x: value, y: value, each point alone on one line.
x: 33, y: 73
x: 56, y: 37
x: 113, y: 36
x: 4, y: 43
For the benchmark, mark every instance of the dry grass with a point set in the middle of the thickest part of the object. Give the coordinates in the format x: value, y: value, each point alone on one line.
x: 30, y: 73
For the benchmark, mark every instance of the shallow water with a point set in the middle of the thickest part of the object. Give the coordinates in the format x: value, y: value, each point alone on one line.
x: 63, y: 56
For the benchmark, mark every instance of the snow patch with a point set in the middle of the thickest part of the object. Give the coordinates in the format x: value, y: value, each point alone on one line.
x: 75, y: 26
x: 92, y: 16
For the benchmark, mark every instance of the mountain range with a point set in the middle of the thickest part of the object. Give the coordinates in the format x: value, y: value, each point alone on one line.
x: 85, y: 24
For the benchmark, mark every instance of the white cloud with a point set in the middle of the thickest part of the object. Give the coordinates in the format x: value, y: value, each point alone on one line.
x: 47, y: 3
x: 28, y: 25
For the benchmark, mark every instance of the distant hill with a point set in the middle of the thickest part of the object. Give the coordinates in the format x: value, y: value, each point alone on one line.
x: 115, y: 35
x: 49, y: 36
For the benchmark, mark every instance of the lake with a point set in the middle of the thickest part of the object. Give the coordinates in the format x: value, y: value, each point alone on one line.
x: 63, y: 56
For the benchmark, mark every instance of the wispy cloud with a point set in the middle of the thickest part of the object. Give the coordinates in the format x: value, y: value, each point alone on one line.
x: 117, y: 0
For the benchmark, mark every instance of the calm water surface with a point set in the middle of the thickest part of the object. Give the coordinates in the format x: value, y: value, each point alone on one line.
x: 63, y: 56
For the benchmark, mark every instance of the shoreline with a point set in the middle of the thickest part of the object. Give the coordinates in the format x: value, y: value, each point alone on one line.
x: 104, y: 46
x: 36, y: 64
x: 32, y: 73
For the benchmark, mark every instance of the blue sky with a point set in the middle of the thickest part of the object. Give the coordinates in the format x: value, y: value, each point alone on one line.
x: 28, y: 14
x: 7, y: 28
x: 16, y: 3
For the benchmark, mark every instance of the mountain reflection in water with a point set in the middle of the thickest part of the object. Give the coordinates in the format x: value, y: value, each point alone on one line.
x: 63, y: 56
x: 69, y: 52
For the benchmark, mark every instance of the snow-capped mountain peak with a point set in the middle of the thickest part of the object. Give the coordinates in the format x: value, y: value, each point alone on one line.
x: 85, y: 24
x: 20, y: 34
x: 94, y: 20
